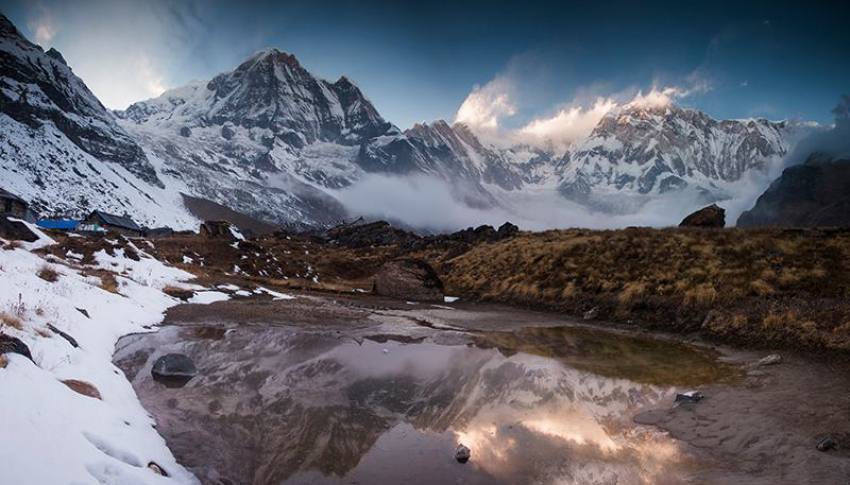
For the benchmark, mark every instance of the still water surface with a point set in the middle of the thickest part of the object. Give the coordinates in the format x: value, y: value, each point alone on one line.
x: 281, y: 405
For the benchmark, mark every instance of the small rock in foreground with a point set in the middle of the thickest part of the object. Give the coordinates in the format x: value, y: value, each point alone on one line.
x: 462, y: 454
x: 690, y: 396
x: 770, y: 360
x: 827, y: 444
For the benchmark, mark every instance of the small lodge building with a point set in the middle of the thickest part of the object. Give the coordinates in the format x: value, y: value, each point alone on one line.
x: 99, y: 221
x: 13, y: 206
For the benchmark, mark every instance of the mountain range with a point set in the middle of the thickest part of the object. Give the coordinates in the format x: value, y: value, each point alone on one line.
x: 271, y: 140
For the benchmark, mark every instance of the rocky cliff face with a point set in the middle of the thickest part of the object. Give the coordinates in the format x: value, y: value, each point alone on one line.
x: 816, y: 193
x: 61, y: 150
x: 38, y: 87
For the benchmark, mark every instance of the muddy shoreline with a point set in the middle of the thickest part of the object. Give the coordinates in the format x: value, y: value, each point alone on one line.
x: 760, y: 427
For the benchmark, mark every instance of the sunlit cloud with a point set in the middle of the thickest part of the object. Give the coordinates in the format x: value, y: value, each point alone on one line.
x: 487, y: 105
x: 486, y: 109
x: 151, y: 79
x: 567, y: 125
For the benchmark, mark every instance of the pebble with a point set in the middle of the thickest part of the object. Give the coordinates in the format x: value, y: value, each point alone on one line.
x: 462, y: 454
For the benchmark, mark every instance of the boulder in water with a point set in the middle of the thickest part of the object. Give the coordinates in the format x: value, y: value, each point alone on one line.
x: 462, y: 454
x: 175, y: 369
x: 690, y: 396
x: 827, y: 443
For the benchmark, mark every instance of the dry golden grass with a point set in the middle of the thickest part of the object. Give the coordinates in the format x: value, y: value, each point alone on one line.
x: 632, y: 291
x: 3, y: 361
x: 9, y: 320
x: 48, y: 274
x: 672, y: 278
x: 177, y: 292
x: 109, y: 283
x: 701, y: 295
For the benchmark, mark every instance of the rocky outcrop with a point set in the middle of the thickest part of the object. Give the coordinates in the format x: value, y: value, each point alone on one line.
x: 484, y: 233
x: 816, y: 193
x: 218, y: 230
x: 360, y: 234
x: 408, y: 279
x: 14, y: 345
x: 711, y: 216
x: 16, y: 231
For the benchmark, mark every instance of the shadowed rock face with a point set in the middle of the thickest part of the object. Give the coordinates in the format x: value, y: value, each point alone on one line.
x: 39, y: 87
x: 816, y: 193
x: 282, y: 405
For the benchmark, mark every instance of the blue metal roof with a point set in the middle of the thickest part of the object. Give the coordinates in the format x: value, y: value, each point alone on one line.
x: 61, y: 224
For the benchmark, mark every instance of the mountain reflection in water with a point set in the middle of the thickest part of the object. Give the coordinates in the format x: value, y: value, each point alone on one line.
x: 279, y: 405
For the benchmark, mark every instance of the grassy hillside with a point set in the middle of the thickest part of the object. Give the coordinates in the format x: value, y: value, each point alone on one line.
x: 758, y: 286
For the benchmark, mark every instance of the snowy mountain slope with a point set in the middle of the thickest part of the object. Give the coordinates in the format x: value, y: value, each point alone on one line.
x: 62, y: 151
x: 266, y: 138
x: 38, y: 87
x: 273, y: 141
x: 640, y: 151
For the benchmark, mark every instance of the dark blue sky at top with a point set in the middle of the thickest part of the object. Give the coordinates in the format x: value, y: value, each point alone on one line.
x: 417, y: 61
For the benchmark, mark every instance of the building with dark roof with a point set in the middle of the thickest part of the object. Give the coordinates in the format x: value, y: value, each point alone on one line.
x: 102, y: 221
x: 13, y: 206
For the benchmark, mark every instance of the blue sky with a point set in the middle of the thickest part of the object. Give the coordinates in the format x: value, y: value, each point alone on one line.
x: 418, y: 61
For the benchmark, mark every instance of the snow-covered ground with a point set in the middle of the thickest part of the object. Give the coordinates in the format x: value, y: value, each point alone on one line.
x: 50, y: 433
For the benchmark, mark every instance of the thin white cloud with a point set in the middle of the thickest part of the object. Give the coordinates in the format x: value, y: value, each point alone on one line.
x: 43, y: 26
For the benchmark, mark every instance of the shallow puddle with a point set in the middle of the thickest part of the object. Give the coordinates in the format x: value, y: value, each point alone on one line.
x: 281, y: 405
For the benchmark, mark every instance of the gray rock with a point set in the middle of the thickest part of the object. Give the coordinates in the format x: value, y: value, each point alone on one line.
x: 228, y: 131
x: 462, y: 454
x: 185, y: 131
x: 14, y: 345
x: 71, y: 340
x: 690, y: 396
x: 826, y: 444
x: 771, y: 359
